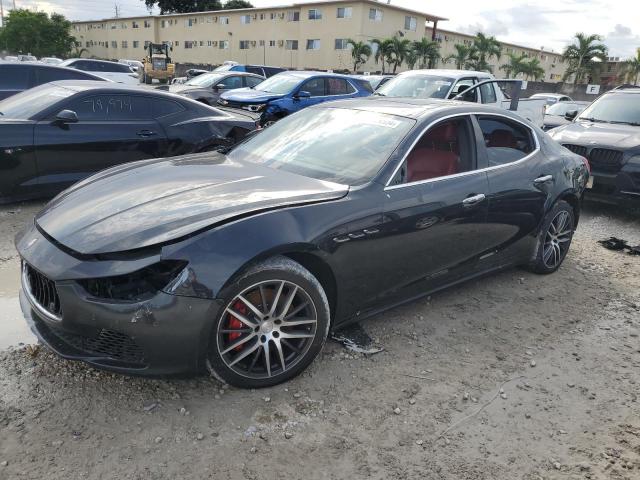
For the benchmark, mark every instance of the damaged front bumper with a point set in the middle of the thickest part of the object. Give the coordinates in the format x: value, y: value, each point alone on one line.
x: 163, y: 334
x: 622, y: 187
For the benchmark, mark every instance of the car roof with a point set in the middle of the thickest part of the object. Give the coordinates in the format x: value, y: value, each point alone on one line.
x: 84, y: 85
x: 630, y: 89
x: 406, y: 107
x: 447, y: 73
x: 69, y: 60
x: 314, y: 73
x: 550, y: 95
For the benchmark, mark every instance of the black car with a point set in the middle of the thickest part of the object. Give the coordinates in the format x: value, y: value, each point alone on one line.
x: 244, y: 262
x: 207, y: 88
x: 607, y: 133
x: 562, y: 113
x: 56, y: 134
x: 18, y: 77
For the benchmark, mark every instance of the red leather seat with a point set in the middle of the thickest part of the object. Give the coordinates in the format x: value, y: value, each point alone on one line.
x: 435, y: 155
x: 502, y: 138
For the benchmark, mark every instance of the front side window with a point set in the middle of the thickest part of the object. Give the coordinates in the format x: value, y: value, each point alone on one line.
x: 461, y: 86
x: 302, y: 144
x: 315, y: 87
x: 445, y: 149
x: 506, y: 140
x: 313, y: 44
x: 230, y: 83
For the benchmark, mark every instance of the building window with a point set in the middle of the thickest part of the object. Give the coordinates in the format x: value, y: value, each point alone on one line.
x: 190, y: 22
x: 124, y: 44
x: 244, y: 44
x: 114, y: 44
x: 146, y: 44
x: 375, y: 14
x: 177, y: 43
x: 291, y: 45
x: 272, y: 43
x: 262, y: 16
x: 223, y: 44
x: 341, y: 44
x: 134, y: 24
x: 163, y: 23
x: 136, y: 44
x: 410, y: 23
x: 261, y: 43
x: 113, y: 26
x: 273, y: 15
x: 313, y: 44
x: 344, y: 12
x: 245, y: 19
x: 147, y: 24
x: 224, y: 20
x: 315, y: 14
x: 188, y: 44
x: 293, y: 16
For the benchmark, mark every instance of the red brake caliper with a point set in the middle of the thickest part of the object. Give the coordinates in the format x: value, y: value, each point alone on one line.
x: 235, y: 324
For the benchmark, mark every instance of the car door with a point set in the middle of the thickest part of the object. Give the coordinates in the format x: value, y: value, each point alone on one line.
x: 521, y: 181
x: 435, y: 211
x: 111, y: 129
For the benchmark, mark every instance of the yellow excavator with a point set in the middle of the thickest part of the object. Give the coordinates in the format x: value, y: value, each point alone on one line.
x: 157, y: 64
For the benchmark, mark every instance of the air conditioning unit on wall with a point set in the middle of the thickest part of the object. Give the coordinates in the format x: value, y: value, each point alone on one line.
x: 281, y: 43
x: 214, y: 43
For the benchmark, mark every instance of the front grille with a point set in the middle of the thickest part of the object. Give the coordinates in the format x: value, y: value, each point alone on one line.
x: 230, y: 104
x: 43, y: 291
x: 577, y: 149
x: 605, y: 160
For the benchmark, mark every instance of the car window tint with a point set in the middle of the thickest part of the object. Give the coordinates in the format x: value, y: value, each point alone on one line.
x: 82, y: 65
x: 14, y: 77
x: 488, y: 93
x: 256, y: 70
x: 162, y: 107
x: 252, y: 81
x: 46, y: 75
x: 315, y: 87
x: 269, y: 71
x: 463, y: 85
x: 110, y: 107
x: 506, y: 140
x: 339, y: 86
x: 231, y: 82
x: 445, y: 149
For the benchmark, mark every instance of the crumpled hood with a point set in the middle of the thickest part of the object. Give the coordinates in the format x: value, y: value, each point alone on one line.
x: 249, y: 95
x: 154, y: 201
x: 600, y: 134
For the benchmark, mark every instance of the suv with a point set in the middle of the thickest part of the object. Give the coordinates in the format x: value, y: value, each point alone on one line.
x: 117, y: 72
x: 262, y: 70
x: 289, y: 92
x: 607, y: 133
x: 17, y: 77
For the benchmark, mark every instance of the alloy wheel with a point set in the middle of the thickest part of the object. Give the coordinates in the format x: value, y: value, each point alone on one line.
x: 267, y: 329
x: 557, y: 239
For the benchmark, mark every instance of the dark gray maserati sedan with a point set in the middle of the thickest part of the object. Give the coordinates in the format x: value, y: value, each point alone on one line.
x: 242, y: 263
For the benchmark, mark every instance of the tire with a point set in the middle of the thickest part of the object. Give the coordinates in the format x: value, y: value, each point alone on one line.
x: 290, y: 332
x: 553, y: 245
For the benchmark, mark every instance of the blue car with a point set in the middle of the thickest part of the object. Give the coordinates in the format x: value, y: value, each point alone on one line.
x: 289, y: 92
x: 261, y: 70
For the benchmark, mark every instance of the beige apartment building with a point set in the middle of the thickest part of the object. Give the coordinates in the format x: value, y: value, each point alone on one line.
x: 299, y: 36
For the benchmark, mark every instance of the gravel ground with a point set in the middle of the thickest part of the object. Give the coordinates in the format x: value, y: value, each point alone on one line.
x: 517, y: 376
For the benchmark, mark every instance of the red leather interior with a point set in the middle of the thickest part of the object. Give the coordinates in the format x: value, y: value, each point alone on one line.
x: 502, y: 138
x: 435, y: 155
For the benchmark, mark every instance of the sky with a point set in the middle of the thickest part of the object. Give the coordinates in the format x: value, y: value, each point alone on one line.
x: 540, y: 23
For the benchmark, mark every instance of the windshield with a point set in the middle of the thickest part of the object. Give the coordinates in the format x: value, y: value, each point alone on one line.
x: 561, y: 108
x: 204, y: 80
x: 25, y: 105
x: 306, y: 143
x: 280, y: 83
x: 416, y: 86
x: 616, y: 108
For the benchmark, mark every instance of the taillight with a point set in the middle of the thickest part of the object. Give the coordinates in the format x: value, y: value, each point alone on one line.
x: 586, y: 164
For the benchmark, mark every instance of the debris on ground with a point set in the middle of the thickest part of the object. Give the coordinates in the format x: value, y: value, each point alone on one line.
x: 356, y: 339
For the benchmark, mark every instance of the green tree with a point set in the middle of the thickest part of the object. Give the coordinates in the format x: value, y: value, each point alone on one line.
x: 533, y: 69
x: 233, y: 4
x: 484, y: 48
x: 427, y: 52
x: 411, y: 59
x: 514, y: 66
x: 184, y: 6
x: 400, y: 48
x: 463, y: 54
x: 26, y: 31
x: 360, y: 52
x: 631, y: 69
x: 584, y: 56
x: 382, y: 50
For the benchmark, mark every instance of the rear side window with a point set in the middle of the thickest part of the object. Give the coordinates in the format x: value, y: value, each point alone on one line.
x: 339, y: 86
x: 506, y: 140
x: 162, y: 107
x: 46, y: 75
x: 488, y: 93
x: 256, y: 70
x: 111, y: 107
x: 14, y: 77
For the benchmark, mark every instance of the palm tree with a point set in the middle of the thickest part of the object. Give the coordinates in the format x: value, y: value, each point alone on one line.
x: 77, y: 50
x: 461, y: 57
x: 533, y: 69
x: 584, y: 56
x: 485, y: 47
x: 360, y: 52
x: 515, y: 65
x: 411, y: 59
x: 398, y: 51
x: 631, y: 69
x: 383, y: 49
x: 427, y: 52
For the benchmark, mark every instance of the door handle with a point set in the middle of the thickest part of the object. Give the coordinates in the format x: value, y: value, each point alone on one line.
x: 472, y: 200
x: 146, y: 133
x: 543, y: 179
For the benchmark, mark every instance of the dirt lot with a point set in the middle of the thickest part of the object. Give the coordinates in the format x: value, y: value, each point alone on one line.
x: 516, y: 376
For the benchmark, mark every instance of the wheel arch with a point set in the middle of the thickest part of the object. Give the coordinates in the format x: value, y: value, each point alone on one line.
x: 574, y: 200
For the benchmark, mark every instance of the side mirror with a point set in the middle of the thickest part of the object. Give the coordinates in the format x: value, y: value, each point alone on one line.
x: 571, y: 114
x: 220, y: 86
x: 302, y: 94
x: 67, y: 116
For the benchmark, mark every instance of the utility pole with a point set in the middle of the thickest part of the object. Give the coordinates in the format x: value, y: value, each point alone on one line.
x: 117, y: 7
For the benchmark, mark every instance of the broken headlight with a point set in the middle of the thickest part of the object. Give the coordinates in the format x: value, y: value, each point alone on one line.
x: 136, y: 286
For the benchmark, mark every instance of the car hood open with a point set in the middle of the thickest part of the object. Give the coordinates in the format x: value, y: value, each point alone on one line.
x: 249, y: 95
x: 599, y: 134
x: 155, y: 201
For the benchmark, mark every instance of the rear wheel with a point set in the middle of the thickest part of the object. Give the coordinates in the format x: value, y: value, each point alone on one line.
x: 274, y: 322
x: 555, y: 239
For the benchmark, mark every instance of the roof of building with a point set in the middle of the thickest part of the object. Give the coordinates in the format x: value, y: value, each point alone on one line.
x: 430, y: 17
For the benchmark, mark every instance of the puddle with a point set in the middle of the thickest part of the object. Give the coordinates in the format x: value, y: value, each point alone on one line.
x: 13, y: 328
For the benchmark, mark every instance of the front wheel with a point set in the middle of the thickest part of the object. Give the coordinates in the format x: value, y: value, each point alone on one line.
x: 554, y: 239
x: 274, y: 322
